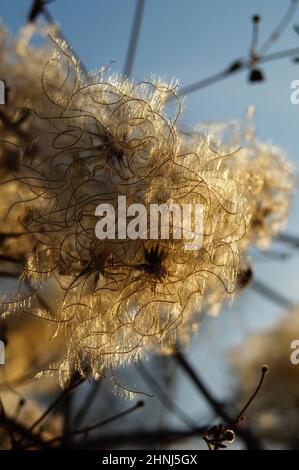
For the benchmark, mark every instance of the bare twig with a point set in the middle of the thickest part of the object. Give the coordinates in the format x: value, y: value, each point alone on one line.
x: 281, y: 27
x: 248, y: 437
x: 57, y: 401
x: 21, y: 430
x: 288, y: 238
x: 95, y: 426
x: 39, y: 7
x: 164, y: 398
x: 219, y: 436
x: 90, y: 397
x: 149, y: 438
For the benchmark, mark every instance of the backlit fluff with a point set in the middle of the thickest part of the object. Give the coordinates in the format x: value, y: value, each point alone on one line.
x: 89, y: 140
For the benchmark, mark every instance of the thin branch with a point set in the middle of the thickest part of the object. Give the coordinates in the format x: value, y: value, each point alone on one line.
x: 288, y: 238
x: 255, y: 35
x: 219, y: 436
x: 9, y: 274
x: 283, y: 24
x: 8, y: 426
x: 39, y: 8
x: 251, y: 441
x: 90, y: 397
x: 215, y: 404
x: 25, y: 433
x: 93, y: 427
x: 256, y: 391
x: 164, y: 398
x: 56, y: 402
x: 149, y: 438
